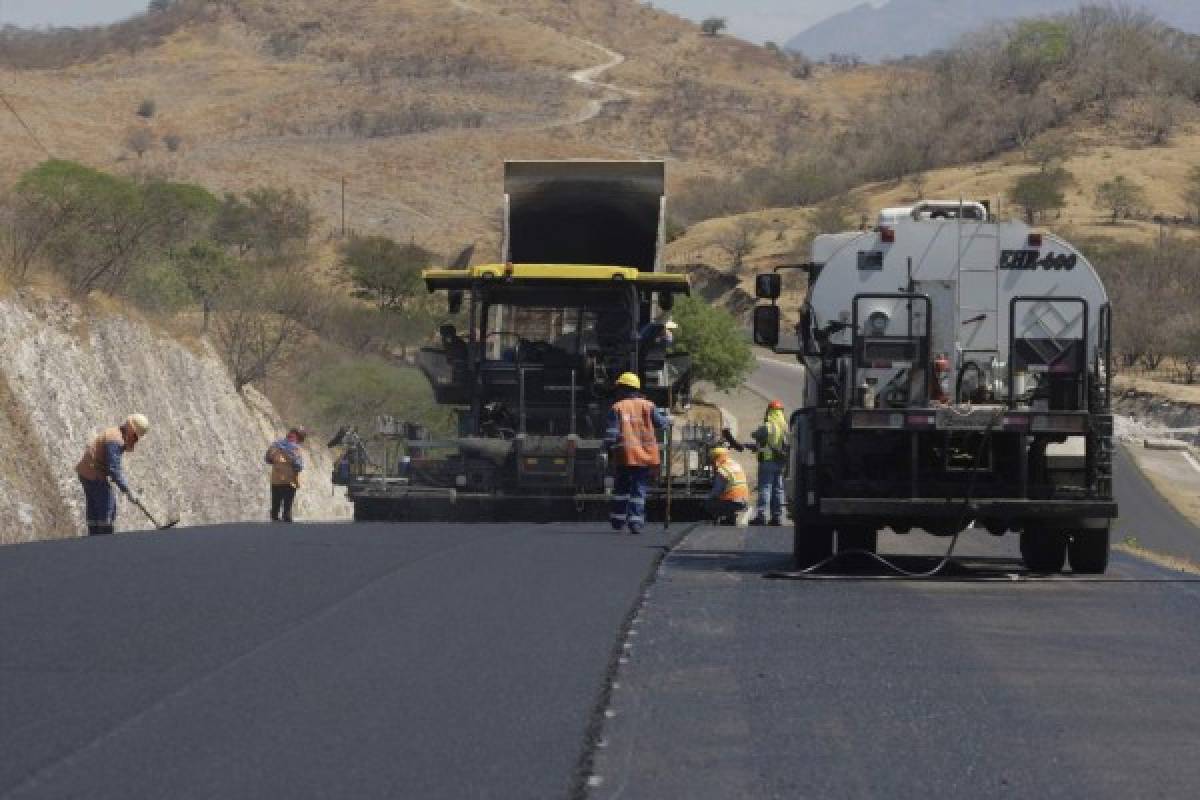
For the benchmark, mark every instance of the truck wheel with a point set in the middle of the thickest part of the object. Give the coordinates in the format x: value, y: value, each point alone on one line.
x: 857, y: 539
x: 1044, y: 551
x: 812, y: 543
x: 1088, y: 552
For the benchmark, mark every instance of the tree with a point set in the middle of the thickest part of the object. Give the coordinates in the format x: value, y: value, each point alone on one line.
x: 738, y: 241
x: 172, y: 141
x: 147, y: 108
x: 1191, y: 194
x: 388, y: 271
x: 270, y: 222
x: 713, y: 26
x: 95, y: 228
x: 260, y: 324
x: 1121, y: 196
x: 718, y: 347
x: 207, y: 271
x: 1050, y: 150
x: 140, y: 140
x: 158, y: 6
x: 837, y: 214
x: 1040, y: 192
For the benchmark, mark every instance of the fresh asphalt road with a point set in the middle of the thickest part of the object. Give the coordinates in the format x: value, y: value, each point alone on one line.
x: 310, y: 661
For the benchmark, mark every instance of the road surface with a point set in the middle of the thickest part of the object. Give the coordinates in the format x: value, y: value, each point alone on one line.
x: 549, y: 661
x: 736, y: 685
x: 310, y: 661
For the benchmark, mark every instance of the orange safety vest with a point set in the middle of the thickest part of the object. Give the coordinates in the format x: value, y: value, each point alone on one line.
x: 736, y: 488
x: 94, y: 464
x: 639, y: 440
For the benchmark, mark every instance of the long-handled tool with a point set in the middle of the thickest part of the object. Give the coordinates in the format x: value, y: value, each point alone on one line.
x: 171, y: 523
x: 670, y: 454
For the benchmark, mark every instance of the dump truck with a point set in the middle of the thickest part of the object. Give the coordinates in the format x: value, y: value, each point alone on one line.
x: 578, y: 298
x: 957, y: 371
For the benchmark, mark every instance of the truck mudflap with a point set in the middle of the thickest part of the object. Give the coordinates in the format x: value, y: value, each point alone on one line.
x: 943, y: 508
x: 418, y: 504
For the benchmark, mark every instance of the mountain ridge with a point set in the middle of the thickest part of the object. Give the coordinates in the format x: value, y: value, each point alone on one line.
x: 916, y: 27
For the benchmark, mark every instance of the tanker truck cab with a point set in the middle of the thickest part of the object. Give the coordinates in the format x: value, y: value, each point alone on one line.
x: 956, y: 372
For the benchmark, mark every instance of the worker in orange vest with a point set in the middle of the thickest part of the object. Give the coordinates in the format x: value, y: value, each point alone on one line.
x: 632, y: 440
x: 730, y: 493
x: 100, y: 464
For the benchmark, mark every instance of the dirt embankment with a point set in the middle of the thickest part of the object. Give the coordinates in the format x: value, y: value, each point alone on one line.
x: 66, y: 372
x: 1159, y: 412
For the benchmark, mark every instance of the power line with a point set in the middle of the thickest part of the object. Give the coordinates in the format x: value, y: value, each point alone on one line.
x: 25, y: 125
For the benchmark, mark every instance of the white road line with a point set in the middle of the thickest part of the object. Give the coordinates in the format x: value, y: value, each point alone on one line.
x: 1192, y: 461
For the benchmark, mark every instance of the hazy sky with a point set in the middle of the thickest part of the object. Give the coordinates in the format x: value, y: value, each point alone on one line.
x: 27, y: 13
x: 758, y: 20
x: 762, y: 20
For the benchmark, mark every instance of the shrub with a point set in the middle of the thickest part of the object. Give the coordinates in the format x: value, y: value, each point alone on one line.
x: 147, y: 108
x: 719, y: 350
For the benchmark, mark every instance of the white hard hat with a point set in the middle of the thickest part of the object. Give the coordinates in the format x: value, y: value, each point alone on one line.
x: 138, y: 424
x: 671, y: 325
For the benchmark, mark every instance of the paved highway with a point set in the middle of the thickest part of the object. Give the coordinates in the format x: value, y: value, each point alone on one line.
x: 496, y: 661
x: 310, y: 661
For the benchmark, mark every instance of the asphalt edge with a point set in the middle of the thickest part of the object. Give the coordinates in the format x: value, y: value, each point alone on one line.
x: 581, y: 785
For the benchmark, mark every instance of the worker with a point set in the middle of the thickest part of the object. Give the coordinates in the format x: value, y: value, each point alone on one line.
x: 659, y: 334
x: 730, y: 493
x: 286, y: 465
x: 632, y: 440
x: 772, y: 441
x: 101, y: 467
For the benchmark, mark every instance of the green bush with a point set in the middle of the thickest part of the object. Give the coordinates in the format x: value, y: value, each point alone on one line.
x: 355, y: 391
x: 711, y: 335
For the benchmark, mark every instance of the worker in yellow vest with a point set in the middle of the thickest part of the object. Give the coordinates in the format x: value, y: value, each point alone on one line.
x: 772, y: 440
x: 730, y: 493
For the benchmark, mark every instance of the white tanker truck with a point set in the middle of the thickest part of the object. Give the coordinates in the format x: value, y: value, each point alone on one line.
x: 957, y: 372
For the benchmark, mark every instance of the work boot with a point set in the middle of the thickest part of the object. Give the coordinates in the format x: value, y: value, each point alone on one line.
x: 104, y: 530
x: 93, y: 530
x: 776, y: 522
x: 635, y: 531
x: 759, y: 520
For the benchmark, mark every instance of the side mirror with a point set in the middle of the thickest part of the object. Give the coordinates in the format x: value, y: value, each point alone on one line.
x: 768, y: 286
x: 766, y: 326
x: 666, y: 301
x: 454, y: 301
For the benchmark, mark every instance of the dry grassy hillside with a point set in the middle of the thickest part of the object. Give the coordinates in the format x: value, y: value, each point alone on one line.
x: 1100, y: 152
x: 416, y: 103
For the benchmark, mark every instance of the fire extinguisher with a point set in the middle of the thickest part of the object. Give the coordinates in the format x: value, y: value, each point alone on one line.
x: 941, y: 378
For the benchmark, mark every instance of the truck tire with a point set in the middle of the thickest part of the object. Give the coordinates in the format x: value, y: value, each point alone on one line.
x: 857, y: 539
x: 1088, y: 552
x: 1044, y: 552
x: 811, y: 544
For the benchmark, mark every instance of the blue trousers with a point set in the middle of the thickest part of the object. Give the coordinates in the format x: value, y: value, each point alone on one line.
x: 629, y: 498
x: 770, y: 488
x: 100, y: 501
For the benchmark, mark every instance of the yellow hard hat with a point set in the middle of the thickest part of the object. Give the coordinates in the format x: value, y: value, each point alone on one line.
x: 630, y: 380
x: 138, y: 424
x: 719, y: 453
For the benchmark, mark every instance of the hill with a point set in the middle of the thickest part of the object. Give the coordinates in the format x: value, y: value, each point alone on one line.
x: 901, y: 28
x: 414, y: 103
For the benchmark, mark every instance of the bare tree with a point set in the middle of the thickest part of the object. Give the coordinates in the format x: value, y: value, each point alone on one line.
x: 713, y: 26
x: 738, y: 241
x: 140, y: 140
x: 260, y: 324
x: 1121, y: 196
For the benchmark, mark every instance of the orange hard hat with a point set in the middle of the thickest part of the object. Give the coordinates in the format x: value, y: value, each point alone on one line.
x: 776, y: 404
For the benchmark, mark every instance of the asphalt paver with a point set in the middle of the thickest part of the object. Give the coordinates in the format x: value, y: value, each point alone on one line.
x: 310, y: 660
